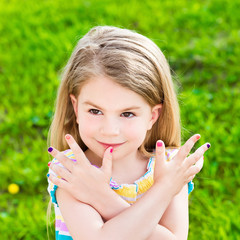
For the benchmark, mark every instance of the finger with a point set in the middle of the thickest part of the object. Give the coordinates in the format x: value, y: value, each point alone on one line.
x: 193, y: 170
x: 160, y: 153
x: 60, y: 171
x: 64, y: 160
x: 191, y: 178
x: 199, y: 163
x: 186, y: 148
x: 79, y: 154
x: 107, y: 161
x: 197, y: 155
x: 58, y: 181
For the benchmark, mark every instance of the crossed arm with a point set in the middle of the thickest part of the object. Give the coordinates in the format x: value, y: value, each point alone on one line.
x: 140, y: 221
x: 166, y: 202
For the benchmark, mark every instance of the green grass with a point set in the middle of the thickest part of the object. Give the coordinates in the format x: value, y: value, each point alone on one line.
x: 201, y: 40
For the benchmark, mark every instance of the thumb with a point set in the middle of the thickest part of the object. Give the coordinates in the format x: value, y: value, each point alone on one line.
x: 107, y: 162
x: 159, y: 158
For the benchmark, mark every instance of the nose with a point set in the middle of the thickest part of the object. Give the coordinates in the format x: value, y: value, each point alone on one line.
x: 110, y: 127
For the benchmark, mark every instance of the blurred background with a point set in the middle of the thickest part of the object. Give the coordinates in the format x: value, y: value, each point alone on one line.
x: 200, y: 39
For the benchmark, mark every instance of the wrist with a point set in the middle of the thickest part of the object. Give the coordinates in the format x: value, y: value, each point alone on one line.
x: 109, y: 204
x: 165, y: 186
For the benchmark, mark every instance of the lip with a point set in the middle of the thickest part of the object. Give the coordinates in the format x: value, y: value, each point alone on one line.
x: 107, y: 145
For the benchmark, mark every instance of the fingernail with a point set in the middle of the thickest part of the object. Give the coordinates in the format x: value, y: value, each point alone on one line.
x: 208, y: 145
x: 111, y: 150
x: 159, y: 144
x: 49, y: 163
x: 48, y: 175
x: 67, y: 137
x: 50, y: 149
x: 198, y: 136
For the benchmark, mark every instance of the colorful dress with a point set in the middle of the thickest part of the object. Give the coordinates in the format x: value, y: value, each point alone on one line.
x: 129, y: 192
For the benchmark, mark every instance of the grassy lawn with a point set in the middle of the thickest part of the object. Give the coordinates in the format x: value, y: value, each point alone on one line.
x: 201, y: 40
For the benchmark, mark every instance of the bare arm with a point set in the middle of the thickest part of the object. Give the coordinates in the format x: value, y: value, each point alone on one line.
x: 175, y: 218
x: 131, y: 220
x: 86, y: 222
x: 135, y: 222
x: 173, y: 223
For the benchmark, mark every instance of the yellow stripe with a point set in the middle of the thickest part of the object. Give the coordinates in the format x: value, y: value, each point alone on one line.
x: 145, y: 184
x: 127, y: 191
x: 59, y: 217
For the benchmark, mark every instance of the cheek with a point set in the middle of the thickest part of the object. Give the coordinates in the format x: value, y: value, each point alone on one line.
x: 86, y: 127
x: 136, y: 130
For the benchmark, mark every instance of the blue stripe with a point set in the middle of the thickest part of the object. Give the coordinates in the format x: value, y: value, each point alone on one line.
x: 190, y: 187
x: 62, y: 237
x: 53, y: 194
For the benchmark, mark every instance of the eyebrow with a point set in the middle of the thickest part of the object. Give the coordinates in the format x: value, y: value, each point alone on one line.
x: 123, y: 110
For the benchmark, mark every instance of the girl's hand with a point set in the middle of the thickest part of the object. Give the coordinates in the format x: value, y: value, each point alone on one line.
x: 82, y: 180
x: 181, y: 169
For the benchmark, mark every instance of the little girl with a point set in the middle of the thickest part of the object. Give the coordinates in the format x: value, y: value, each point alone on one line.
x: 124, y: 175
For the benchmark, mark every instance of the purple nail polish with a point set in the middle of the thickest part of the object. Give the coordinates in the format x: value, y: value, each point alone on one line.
x: 50, y: 149
x: 208, y: 145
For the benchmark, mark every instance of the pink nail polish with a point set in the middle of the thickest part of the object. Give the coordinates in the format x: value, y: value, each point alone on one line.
x: 198, y: 137
x: 67, y: 137
x: 111, y: 150
x: 159, y: 144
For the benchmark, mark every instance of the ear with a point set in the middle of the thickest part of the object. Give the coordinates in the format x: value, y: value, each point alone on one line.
x: 75, y: 105
x: 156, y: 110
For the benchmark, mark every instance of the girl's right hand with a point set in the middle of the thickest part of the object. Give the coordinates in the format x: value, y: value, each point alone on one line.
x: 182, y: 168
x: 82, y: 180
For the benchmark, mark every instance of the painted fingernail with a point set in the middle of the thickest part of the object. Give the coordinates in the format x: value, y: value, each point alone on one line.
x: 50, y: 149
x: 208, y: 145
x: 111, y: 150
x: 49, y: 163
x: 48, y: 175
x: 67, y: 137
x: 159, y: 144
x: 198, y: 136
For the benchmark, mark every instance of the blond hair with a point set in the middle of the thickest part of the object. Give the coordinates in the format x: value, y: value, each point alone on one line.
x: 133, y: 61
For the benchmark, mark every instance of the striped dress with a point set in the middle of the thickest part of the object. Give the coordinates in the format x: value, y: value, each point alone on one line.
x: 129, y: 192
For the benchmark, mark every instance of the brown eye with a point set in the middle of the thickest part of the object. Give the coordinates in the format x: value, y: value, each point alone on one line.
x: 95, y: 112
x: 128, y: 114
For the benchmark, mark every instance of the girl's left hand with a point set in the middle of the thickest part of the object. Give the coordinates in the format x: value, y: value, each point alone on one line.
x: 82, y: 180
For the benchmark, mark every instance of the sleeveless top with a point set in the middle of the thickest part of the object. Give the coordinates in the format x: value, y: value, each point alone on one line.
x: 129, y: 192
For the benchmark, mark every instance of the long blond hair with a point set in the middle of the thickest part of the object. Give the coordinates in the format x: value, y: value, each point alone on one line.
x: 134, y: 62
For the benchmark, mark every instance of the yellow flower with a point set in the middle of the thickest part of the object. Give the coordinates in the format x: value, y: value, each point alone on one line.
x: 13, y: 188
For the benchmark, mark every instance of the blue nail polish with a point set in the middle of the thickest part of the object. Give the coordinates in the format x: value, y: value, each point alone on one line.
x: 48, y: 175
x: 50, y: 149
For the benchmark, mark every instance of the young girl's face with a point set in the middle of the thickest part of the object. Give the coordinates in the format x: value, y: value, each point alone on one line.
x: 111, y: 115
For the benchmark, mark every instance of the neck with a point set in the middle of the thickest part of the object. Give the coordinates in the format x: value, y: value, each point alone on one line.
x: 130, y: 168
x: 125, y: 169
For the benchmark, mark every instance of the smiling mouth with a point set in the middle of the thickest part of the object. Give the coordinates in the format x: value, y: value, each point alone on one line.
x: 107, y: 145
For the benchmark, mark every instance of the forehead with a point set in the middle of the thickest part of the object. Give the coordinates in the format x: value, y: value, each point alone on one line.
x: 104, y: 92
